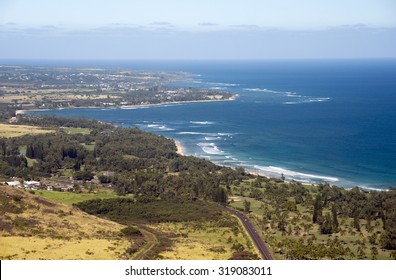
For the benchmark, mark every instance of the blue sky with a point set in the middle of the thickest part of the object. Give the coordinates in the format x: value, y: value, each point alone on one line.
x: 197, y: 29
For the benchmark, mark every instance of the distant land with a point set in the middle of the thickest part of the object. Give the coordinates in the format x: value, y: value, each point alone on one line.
x: 25, y: 87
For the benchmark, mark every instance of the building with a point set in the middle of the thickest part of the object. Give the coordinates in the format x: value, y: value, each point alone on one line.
x: 34, y: 185
x: 15, y: 184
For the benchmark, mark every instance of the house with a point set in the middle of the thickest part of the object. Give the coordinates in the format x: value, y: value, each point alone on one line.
x: 13, y: 120
x: 15, y: 184
x: 34, y: 185
x: 66, y: 187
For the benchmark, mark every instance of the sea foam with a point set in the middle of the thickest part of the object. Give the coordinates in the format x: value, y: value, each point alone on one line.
x: 201, y: 122
x: 160, y: 127
x: 289, y: 174
x: 210, y: 148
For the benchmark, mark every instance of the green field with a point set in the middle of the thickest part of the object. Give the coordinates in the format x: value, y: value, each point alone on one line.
x: 76, y: 130
x: 70, y: 198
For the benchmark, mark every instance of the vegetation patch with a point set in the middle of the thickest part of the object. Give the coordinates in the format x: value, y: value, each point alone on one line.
x: 33, y: 228
x: 34, y: 248
x: 130, y: 210
x: 206, y: 240
x: 11, y: 130
x: 70, y: 198
x: 319, y: 222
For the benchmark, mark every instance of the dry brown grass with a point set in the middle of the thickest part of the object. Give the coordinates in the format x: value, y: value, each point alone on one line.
x: 32, y: 227
x: 11, y: 130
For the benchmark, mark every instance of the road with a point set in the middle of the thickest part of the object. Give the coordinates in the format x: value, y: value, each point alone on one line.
x: 258, y: 242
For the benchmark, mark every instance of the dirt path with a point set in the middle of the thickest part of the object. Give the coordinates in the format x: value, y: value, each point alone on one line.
x: 151, y: 242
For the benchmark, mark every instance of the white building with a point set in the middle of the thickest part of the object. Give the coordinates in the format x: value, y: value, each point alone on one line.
x: 31, y: 185
x: 15, y: 184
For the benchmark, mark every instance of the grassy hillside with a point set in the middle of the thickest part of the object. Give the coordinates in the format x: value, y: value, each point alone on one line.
x: 180, y: 229
x: 70, y: 198
x: 32, y: 227
x: 10, y: 130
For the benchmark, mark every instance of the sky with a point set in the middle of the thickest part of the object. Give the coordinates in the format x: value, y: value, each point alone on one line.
x: 197, y: 29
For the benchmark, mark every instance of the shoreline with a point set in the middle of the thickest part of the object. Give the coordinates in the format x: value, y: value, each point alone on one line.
x: 232, y: 98
x: 179, y: 148
x: 181, y: 151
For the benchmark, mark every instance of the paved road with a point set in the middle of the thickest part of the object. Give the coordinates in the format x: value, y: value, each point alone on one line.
x: 260, y: 245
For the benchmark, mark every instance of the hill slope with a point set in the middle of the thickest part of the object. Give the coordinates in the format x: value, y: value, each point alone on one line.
x: 32, y: 227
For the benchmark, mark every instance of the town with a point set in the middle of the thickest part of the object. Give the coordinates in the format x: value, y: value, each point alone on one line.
x: 23, y: 88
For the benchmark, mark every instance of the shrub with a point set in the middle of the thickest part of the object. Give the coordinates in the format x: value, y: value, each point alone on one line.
x: 131, y: 231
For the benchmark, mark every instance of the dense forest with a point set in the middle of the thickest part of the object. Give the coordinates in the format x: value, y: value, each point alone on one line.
x: 143, y: 164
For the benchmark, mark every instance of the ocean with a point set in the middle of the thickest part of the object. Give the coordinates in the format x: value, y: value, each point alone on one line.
x: 310, y: 120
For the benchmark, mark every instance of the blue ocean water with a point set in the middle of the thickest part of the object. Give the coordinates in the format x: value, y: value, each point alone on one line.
x: 313, y: 121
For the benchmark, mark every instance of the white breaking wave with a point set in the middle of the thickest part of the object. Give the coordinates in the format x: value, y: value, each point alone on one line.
x: 201, y: 122
x: 223, y: 84
x: 293, y: 174
x: 269, y: 91
x: 195, y: 133
x: 210, y: 148
x: 309, y: 100
x: 133, y: 107
x: 160, y: 127
x: 215, y: 84
x: 294, y: 98
x: 212, y: 138
x: 205, y: 133
x: 372, y: 188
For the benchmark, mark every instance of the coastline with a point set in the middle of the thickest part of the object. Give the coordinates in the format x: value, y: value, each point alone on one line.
x: 232, y: 98
x: 180, y: 149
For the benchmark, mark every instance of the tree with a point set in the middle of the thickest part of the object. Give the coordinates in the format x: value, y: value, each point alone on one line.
x: 246, y: 205
x: 326, y: 227
x: 374, y: 253
x: 29, y: 151
x: 356, y: 221
x: 220, y: 195
x: 360, y: 252
x: 388, y: 237
x: 317, y: 211
x: 335, y: 219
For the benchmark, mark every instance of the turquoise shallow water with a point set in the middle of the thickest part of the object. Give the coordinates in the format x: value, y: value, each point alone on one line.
x: 312, y: 121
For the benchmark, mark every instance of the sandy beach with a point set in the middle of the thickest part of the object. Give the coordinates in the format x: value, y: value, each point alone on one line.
x: 180, y: 149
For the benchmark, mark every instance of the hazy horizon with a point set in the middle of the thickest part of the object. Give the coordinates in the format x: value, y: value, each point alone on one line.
x: 172, y: 30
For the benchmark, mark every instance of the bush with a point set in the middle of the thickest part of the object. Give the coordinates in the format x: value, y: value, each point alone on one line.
x: 130, y: 231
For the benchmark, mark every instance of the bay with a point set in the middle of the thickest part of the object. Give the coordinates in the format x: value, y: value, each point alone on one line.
x: 312, y: 121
